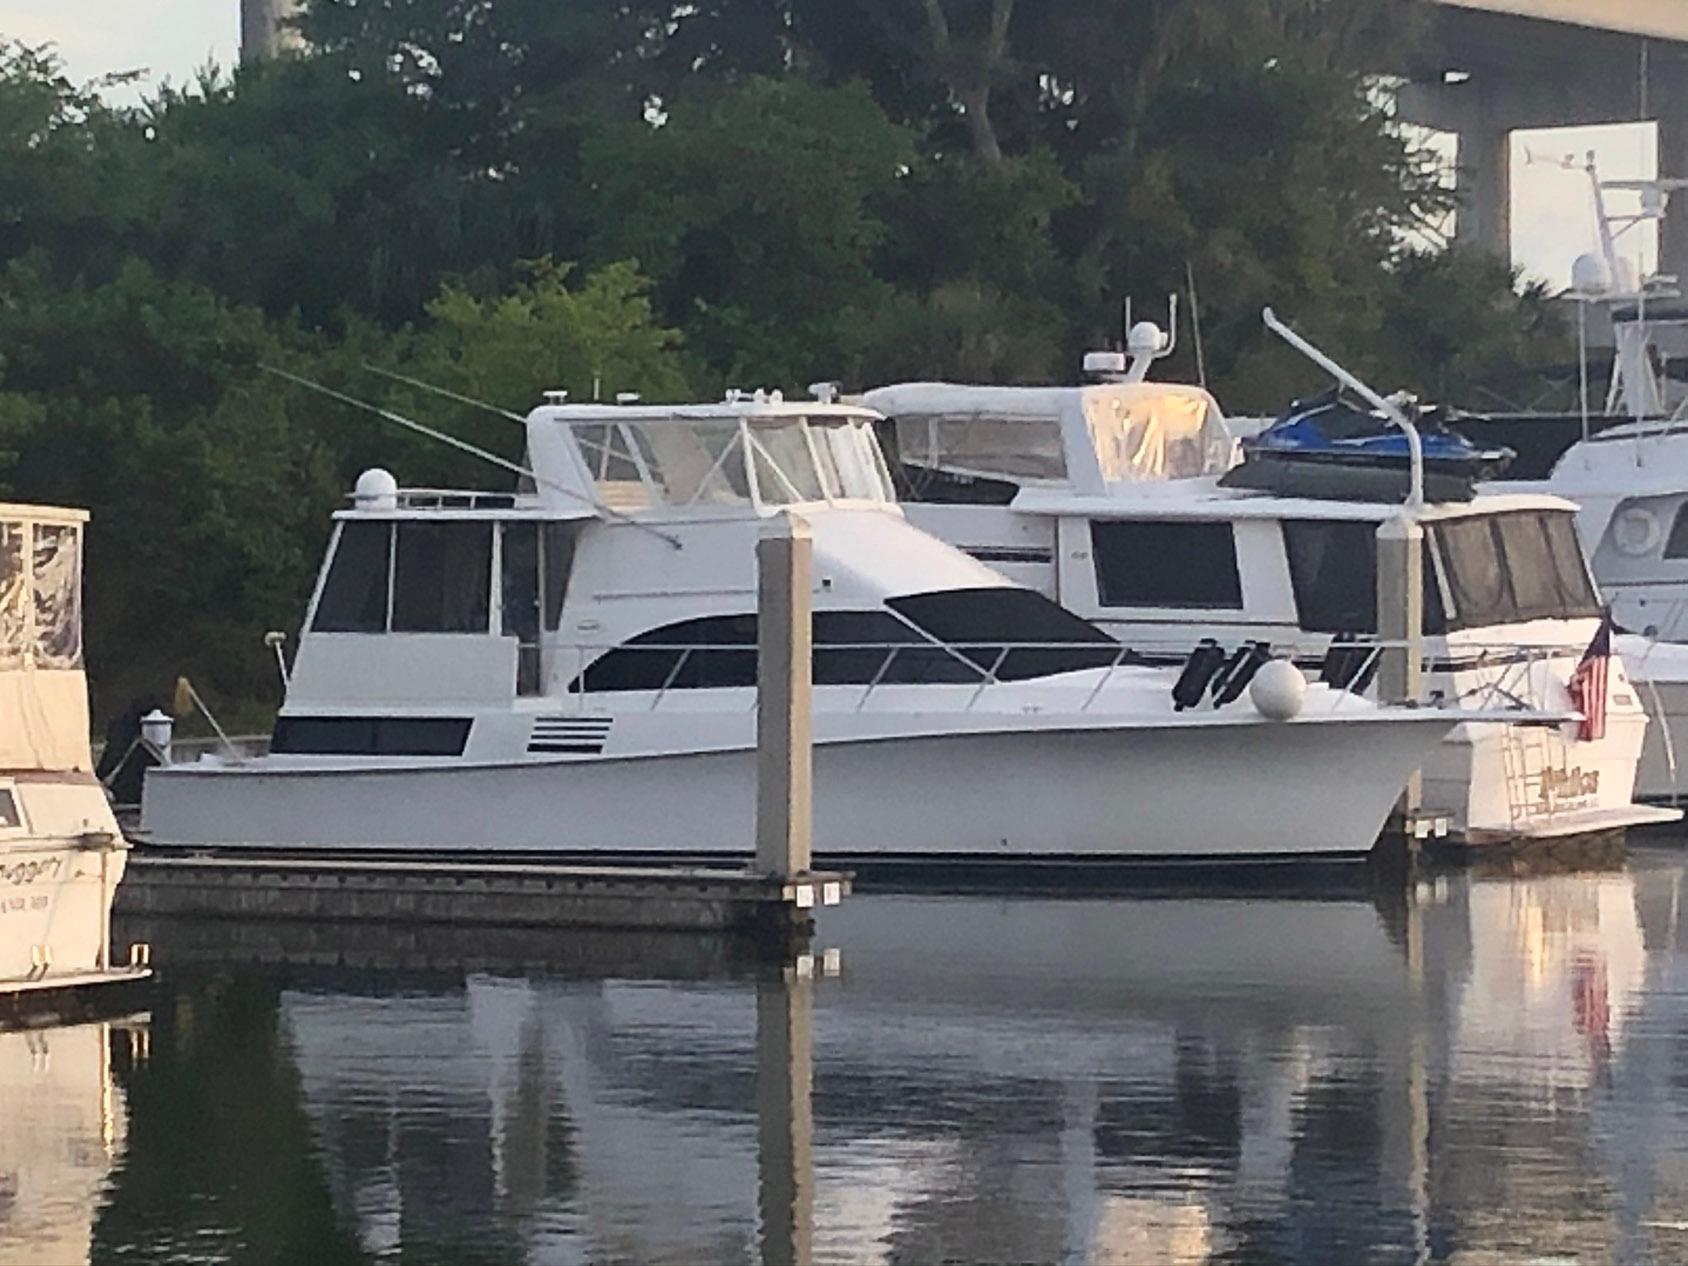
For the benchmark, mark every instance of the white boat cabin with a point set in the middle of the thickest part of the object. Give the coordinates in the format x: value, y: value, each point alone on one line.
x: 1112, y: 505
x: 61, y: 853
x: 627, y: 563
x: 1117, y: 513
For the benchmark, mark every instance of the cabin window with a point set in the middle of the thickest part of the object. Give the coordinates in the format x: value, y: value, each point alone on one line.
x: 1166, y: 563
x: 14, y: 592
x: 370, y: 736
x: 1505, y: 568
x: 713, y: 652
x: 977, y: 444
x: 1676, y: 544
x: 58, y: 595
x: 442, y: 577
x: 354, y: 595
x: 1014, y: 633
x: 786, y: 471
x: 10, y: 817
x: 1333, y: 569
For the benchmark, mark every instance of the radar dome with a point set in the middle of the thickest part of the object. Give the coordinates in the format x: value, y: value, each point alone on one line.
x: 376, y: 489
x: 1145, y: 339
x: 1589, y: 275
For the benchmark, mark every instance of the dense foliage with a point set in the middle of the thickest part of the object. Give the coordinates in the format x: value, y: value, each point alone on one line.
x: 746, y: 192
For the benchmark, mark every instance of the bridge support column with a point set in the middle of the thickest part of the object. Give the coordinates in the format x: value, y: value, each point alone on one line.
x: 1485, y: 189
x: 1673, y: 164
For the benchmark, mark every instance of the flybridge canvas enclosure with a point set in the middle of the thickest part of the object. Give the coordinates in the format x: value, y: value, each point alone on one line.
x: 1088, y: 437
x: 43, y: 694
x: 705, y: 457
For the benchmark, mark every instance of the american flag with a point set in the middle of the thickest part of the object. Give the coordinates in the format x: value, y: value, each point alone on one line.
x: 1588, y: 683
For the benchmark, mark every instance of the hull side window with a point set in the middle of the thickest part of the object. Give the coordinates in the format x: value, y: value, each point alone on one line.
x: 371, y: 736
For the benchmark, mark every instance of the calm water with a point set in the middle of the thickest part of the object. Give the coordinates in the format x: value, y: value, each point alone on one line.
x: 1496, y: 1071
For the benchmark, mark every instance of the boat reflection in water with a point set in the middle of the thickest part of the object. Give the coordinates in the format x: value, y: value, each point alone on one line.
x: 63, y: 1122
x: 1489, y: 1072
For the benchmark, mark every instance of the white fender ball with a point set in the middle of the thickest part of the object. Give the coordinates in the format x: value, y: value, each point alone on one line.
x: 1278, y: 690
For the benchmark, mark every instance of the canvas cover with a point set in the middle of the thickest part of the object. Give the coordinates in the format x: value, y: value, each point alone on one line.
x: 43, y: 692
x: 1149, y: 432
x: 1139, y: 432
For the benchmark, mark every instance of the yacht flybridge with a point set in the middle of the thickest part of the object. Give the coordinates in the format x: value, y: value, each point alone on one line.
x: 61, y: 853
x: 1110, y: 499
x: 570, y: 669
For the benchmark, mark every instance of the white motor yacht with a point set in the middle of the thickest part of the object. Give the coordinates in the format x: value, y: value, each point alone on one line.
x: 61, y: 853
x: 570, y: 670
x: 1107, y: 498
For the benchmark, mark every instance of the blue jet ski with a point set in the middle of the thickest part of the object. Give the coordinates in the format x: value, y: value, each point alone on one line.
x: 1335, y: 447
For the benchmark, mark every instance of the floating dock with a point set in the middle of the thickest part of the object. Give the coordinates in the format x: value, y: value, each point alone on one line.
x: 474, y: 893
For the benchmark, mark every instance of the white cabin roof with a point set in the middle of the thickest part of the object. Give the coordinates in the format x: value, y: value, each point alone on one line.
x: 1205, y: 499
x: 19, y: 512
x: 747, y: 408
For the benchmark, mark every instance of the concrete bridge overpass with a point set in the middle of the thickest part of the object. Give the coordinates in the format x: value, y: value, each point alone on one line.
x: 1492, y: 67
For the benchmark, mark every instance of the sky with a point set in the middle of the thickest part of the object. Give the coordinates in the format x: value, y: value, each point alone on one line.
x: 1552, y: 216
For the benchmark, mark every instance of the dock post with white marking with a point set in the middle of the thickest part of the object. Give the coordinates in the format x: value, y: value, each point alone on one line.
x: 784, y: 708
x: 1400, y: 627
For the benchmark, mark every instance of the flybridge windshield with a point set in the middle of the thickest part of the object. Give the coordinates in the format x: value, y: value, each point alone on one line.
x: 1138, y: 434
x: 40, y: 595
x: 724, y: 461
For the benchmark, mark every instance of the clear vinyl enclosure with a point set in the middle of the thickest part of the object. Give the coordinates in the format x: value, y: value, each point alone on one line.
x: 40, y: 594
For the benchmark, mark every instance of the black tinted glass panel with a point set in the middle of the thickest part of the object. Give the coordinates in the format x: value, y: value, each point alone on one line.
x: 558, y: 543
x: 1676, y: 544
x: 850, y: 648
x: 354, y: 597
x: 519, y: 581
x: 1333, y: 568
x: 690, y: 655
x: 443, y: 578
x: 10, y: 818
x: 1166, y: 564
x: 984, y: 626
x: 370, y: 736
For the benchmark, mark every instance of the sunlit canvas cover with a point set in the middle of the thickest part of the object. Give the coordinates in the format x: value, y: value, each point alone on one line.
x: 1138, y: 432
x: 1150, y: 432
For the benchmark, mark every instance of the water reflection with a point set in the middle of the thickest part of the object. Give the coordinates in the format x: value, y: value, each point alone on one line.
x: 1492, y: 1071
x: 63, y: 1123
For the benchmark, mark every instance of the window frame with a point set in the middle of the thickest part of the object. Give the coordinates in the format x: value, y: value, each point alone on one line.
x: 1109, y: 602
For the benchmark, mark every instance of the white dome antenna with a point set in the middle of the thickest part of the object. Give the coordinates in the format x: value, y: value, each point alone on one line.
x: 376, y: 490
x: 1146, y: 342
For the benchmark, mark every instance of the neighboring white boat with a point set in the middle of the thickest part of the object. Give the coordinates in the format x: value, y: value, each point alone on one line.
x: 1106, y: 497
x: 61, y: 853
x: 570, y: 670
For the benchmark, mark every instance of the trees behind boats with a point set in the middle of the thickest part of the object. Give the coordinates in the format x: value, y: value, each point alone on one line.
x: 754, y: 192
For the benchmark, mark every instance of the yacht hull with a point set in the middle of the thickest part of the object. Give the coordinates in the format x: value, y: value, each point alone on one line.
x: 1194, y: 793
x: 57, y: 885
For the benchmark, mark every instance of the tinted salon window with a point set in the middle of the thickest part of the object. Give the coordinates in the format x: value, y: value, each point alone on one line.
x: 1333, y: 568
x: 442, y: 578
x: 354, y: 597
x: 1166, y: 564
